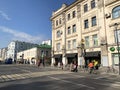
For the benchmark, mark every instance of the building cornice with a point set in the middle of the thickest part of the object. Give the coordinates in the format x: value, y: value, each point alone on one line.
x: 109, y: 2
x: 66, y: 8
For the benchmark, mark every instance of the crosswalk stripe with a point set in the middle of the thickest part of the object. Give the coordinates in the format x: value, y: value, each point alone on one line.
x: 11, y: 77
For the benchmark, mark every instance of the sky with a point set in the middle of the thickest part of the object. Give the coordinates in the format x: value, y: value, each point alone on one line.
x: 27, y: 20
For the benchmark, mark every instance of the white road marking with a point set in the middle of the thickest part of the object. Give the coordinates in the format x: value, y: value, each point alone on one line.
x: 66, y: 81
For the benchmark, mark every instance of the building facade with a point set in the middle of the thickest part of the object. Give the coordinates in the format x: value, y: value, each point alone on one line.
x: 3, y: 54
x: 33, y: 55
x: 83, y: 31
x: 16, y: 46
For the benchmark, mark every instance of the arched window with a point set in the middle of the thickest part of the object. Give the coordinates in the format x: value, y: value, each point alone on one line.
x: 116, y: 12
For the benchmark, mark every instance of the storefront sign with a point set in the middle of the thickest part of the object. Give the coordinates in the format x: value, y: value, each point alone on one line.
x: 112, y: 49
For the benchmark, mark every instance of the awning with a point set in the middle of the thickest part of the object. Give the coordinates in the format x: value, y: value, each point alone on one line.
x: 92, y: 54
x: 57, y: 55
x: 71, y: 55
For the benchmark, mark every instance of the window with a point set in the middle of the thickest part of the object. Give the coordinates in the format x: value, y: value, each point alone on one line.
x: 74, y: 43
x: 60, y: 21
x: 56, y: 22
x: 47, y: 53
x: 58, y: 46
x: 86, y: 23
x: 58, y: 34
x: 73, y: 14
x: 69, y: 30
x: 69, y: 44
x: 69, y: 16
x: 74, y: 28
x: 117, y: 36
x: 85, y: 8
x: 95, y: 40
x: 87, y: 41
x: 116, y: 12
x: 94, y: 21
x: 92, y: 4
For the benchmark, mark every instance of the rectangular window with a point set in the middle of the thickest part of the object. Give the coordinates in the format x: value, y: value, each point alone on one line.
x: 95, y: 40
x: 74, y: 43
x: 69, y: 16
x: 92, y: 4
x: 117, y: 36
x: 69, y: 30
x: 47, y: 53
x: 94, y: 21
x: 85, y: 8
x: 58, y: 34
x: 73, y: 14
x: 86, y: 23
x: 87, y: 41
x: 69, y: 44
x: 58, y: 46
x: 74, y: 28
x: 60, y: 21
x: 56, y: 22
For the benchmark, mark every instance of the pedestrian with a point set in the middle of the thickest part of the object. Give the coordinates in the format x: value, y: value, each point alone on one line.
x: 39, y: 62
x: 75, y: 67
x: 61, y: 65
x: 91, y: 67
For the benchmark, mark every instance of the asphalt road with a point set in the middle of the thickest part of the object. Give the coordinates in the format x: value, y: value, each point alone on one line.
x: 26, y: 77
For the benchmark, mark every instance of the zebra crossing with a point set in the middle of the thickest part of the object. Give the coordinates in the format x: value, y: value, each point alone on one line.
x: 11, y: 77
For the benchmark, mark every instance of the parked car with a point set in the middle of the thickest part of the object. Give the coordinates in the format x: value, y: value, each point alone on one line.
x: 8, y: 61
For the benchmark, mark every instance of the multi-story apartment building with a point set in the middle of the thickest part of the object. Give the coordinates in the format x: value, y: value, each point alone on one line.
x: 16, y: 46
x: 83, y: 31
x: 3, y: 53
x: 33, y: 55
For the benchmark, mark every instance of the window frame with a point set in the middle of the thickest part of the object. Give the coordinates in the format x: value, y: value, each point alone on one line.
x: 58, y: 33
x: 86, y: 24
x: 87, y: 44
x: 85, y: 8
x: 69, y: 44
x: 68, y: 17
x: 73, y: 14
x: 95, y: 39
x: 74, y: 28
x: 74, y: 43
x: 69, y: 30
x: 93, y: 4
x: 116, y: 12
x: 58, y: 46
x: 93, y: 20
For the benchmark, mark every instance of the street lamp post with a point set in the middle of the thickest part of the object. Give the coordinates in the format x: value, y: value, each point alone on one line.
x: 116, y: 25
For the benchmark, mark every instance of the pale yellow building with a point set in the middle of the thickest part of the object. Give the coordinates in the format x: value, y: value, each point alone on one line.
x: 84, y: 31
x: 34, y: 55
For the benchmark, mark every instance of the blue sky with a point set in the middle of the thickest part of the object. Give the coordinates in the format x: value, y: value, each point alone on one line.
x: 27, y: 20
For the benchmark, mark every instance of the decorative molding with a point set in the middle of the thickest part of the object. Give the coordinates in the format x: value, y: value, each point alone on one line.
x: 101, y: 3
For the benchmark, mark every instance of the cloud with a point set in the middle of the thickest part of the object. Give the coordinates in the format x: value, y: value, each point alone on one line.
x: 4, y: 15
x: 17, y: 35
